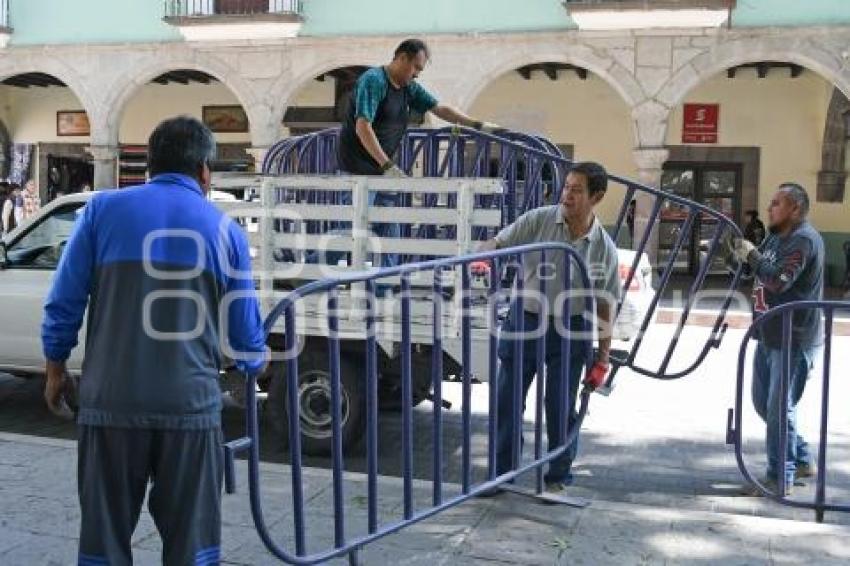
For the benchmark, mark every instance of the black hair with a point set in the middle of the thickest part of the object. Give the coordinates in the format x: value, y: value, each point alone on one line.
x: 411, y: 47
x: 597, y: 177
x: 753, y: 212
x: 798, y: 194
x: 180, y: 145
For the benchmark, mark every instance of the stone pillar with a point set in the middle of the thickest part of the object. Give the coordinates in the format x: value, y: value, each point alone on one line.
x: 105, y: 166
x: 258, y: 153
x: 265, y: 131
x: 650, y: 162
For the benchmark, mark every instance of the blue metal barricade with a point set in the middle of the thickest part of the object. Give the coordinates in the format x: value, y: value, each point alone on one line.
x: 734, y: 434
x: 574, y: 267
x: 533, y: 170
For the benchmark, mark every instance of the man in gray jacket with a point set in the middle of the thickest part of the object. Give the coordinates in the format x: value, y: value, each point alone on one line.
x: 788, y: 266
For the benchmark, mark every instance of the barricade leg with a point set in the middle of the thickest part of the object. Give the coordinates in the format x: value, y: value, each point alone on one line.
x: 779, y: 378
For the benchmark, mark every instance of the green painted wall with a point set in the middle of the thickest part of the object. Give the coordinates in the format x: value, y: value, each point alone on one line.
x: 88, y: 21
x: 400, y: 16
x: 325, y: 17
x: 790, y: 12
x: 109, y: 21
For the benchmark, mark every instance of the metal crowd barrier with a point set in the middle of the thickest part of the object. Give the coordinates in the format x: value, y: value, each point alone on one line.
x: 533, y: 171
x: 734, y: 434
x: 343, y: 544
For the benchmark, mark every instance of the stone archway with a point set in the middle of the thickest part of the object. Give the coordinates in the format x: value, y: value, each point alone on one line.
x: 804, y: 51
x: 145, y: 67
x: 287, y: 87
x: 609, y: 70
x: 832, y: 176
x: 129, y: 84
x: 33, y: 69
x: 31, y: 63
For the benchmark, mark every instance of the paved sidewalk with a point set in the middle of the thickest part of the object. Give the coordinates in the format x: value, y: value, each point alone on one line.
x: 39, y: 520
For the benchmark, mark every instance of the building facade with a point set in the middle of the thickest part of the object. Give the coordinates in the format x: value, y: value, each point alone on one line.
x: 716, y: 99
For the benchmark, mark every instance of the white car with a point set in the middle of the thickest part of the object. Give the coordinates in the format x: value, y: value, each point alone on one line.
x: 30, y: 255
x: 638, y: 297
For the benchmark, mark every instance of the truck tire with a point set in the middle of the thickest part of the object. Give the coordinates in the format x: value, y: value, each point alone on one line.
x: 314, y: 396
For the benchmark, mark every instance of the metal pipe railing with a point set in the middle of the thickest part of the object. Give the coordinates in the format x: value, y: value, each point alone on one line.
x: 519, y: 160
x: 345, y: 543
x: 206, y: 8
x: 734, y: 434
x: 4, y: 13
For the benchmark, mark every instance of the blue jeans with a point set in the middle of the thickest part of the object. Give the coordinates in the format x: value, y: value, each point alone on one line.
x: 767, y: 375
x: 555, y: 395
x: 382, y: 230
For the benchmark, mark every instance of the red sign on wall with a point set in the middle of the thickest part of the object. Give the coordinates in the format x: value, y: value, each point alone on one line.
x: 700, y: 123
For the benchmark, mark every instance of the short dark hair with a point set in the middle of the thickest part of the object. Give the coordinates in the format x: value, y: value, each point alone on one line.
x: 752, y: 212
x: 180, y: 145
x: 597, y: 177
x: 411, y: 47
x: 798, y: 194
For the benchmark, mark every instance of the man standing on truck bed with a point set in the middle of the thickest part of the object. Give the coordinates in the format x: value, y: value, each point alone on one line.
x: 165, y: 276
x: 377, y: 118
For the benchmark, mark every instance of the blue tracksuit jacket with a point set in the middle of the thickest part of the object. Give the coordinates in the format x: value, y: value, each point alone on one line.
x: 167, y: 280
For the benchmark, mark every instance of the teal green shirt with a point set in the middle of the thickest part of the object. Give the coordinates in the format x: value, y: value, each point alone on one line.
x: 371, y: 88
x: 387, y: 109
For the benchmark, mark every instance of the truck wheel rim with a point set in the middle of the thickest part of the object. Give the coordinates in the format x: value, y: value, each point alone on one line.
x: 314, y: 400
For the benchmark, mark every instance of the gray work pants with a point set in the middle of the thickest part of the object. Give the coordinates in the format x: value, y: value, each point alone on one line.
x: 184, y: 468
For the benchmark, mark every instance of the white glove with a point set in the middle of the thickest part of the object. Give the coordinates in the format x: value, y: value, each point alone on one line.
x: 395, y: 172
x: 742, y: 249
x: 491, y: 128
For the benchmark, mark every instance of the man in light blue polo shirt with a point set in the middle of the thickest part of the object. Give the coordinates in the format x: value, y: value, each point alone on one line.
x: 572, y: 222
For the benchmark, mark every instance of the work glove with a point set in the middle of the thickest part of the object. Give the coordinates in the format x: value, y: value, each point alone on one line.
x: 725, y: 250
x: 490, y: 128
x: 394, y: 171
x: 481, y: 267
x: 595, y: 376
x: 742, y: 249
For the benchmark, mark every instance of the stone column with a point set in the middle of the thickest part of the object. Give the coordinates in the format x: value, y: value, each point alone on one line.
x: 265, y: 131
x: 105, y: 166
x: 258, y: 153
x: 650, y: 162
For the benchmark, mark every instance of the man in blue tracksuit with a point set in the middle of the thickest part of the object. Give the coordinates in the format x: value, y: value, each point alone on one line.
x: 167, y: 281
x: 788, y: 266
